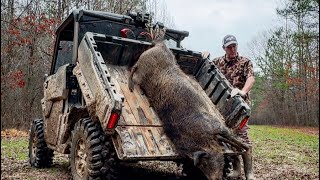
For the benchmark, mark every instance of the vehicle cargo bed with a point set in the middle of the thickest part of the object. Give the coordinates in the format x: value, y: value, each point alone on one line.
x: 139, y: 129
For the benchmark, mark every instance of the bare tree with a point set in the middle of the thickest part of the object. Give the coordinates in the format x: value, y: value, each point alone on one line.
x: 27, y: 39
x: 288, y: 61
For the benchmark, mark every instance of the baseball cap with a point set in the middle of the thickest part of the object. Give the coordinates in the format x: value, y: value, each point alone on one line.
x: 229, y: 39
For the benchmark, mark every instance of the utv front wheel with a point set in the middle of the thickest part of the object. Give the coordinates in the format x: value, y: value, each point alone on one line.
x: 40, y: 155
x: 86, y: 150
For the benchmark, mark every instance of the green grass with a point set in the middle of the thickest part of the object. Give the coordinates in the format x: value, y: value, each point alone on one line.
x: 15, y: 148
x: 15, y: 165
x: 285, y: 146
x: 273, y: 147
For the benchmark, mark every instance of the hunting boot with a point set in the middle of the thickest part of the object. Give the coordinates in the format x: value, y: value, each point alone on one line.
x: 236, y: 168
x: 247, y: 162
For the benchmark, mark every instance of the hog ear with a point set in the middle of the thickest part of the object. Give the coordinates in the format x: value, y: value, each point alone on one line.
x: 159, y: 33
x: 197, y: 156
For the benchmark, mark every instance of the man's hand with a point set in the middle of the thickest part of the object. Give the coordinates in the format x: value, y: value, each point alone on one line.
x: 205, y: 55
x: 236, y: 91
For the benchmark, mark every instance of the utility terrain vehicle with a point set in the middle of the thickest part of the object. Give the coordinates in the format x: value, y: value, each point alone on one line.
x: 88, y: 110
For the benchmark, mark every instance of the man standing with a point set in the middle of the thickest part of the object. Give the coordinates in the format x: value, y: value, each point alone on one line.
x: 239, y: 72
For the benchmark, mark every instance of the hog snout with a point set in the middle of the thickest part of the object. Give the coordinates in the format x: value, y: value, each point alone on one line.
x: 209, y: 163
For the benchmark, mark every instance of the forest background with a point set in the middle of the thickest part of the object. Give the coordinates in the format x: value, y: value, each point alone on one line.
x: 286, y: 91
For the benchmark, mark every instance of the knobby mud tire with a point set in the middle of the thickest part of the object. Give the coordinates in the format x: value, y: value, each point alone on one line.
x: 111, y: 168
x: 90, y: 146
x: 40, y: 156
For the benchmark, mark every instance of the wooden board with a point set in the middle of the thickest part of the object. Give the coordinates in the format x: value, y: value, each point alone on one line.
x: 139, y: 134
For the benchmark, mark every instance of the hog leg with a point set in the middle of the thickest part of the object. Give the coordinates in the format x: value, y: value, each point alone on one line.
x: 227, y: 138
x: 130, y: 80
x: 223, y: 134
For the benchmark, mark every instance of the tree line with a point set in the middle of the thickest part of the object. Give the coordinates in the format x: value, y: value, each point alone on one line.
x: 287, y: 84
x: 27, y: 41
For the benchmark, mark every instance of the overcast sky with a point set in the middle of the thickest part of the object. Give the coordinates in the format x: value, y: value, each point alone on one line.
x: 208, y: 21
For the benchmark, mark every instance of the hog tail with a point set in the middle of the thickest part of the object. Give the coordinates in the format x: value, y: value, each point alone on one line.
x: 130, y: 80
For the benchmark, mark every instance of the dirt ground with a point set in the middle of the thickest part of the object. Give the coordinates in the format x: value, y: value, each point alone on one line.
x: 11, y: 168
x: 15, y: 169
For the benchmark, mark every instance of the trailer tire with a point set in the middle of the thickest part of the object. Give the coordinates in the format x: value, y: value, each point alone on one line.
x: 40, y: 156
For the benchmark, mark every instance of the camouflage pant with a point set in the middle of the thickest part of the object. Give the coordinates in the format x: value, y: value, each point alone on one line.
x: 243, y: 134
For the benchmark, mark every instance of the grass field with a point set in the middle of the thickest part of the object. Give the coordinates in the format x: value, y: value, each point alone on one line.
x: 279, y: 153
x: 286, y: 151
x: 14, y: 148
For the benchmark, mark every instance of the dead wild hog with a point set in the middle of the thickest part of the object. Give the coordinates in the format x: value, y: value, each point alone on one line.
x: 187, y: 115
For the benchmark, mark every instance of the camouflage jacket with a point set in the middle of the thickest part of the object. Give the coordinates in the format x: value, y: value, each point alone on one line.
x: 237, y: 70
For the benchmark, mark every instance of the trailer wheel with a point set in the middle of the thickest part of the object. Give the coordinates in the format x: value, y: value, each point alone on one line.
x: 40, y: 156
